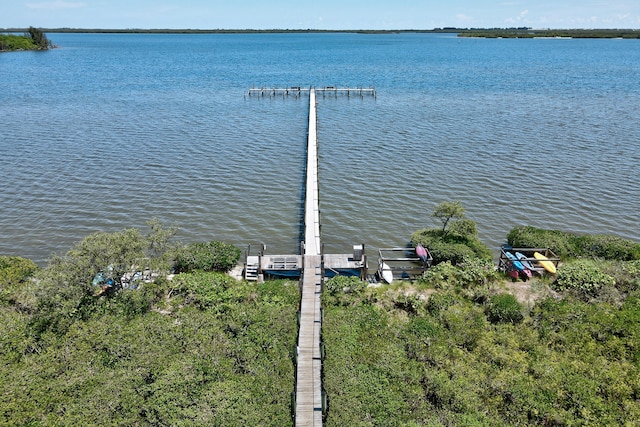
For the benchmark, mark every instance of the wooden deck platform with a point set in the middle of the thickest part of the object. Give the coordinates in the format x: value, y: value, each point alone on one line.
x: 298, y: 91
x: 291, y: 265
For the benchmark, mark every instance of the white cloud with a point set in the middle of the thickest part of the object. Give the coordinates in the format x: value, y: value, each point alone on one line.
x: 56, y: 5
x: 520, y: 18
x: 464, y: 19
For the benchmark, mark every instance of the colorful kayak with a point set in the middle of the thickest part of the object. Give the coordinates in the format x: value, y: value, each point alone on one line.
x: 545, y: 262
x: 514, y: 261
x: 523, y: 259
x: 421, y: 252
x: 386, y: 273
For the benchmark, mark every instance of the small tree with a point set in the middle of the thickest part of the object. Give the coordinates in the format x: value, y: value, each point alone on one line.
x: 207, y: 256
x: 446, y: 211
x: 39, y: 38
x: 65, y: 290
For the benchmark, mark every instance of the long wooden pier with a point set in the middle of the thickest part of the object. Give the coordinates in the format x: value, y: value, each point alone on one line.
x: 309, y: 406
x: 309, y: 399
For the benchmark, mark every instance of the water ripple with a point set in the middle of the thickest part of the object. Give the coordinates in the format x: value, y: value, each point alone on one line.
x: 522, y: 134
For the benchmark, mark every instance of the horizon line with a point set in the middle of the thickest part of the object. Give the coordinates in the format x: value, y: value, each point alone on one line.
x: 264, y: 30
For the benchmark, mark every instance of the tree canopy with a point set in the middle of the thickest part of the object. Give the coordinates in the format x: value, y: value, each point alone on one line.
x: 39, y: 38
x: 446, y: 211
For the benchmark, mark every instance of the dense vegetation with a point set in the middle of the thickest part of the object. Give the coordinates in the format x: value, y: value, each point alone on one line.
x: 520, y: 32
x: 200, y: 349
x: 570, y: 245
x: 453, y: 350
x: 529, y: 33
x: 463, y: 346
x: 460, y: 346
x: 206, y: 256
x: 33, y: 39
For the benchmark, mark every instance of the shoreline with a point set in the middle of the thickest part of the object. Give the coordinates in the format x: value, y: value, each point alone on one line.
x: 612, y: 33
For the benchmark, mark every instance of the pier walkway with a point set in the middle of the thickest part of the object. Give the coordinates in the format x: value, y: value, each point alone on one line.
x: 308, y: 393
x: 309, y: 402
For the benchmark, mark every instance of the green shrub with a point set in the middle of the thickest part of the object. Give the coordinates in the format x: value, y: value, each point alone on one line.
x: 457, y: 240
x: 440, y: 276
x: 470, y: 273
x: 440, y: 301
x: 344, y: 284
x: 14, y: 270
x: 63, y: 292
x: 208, y: 290
x: 207, y: 256
x: 585, y: 277
x: 504, y: 308
x: 629, y: 278
x: 465, y: 322
x: 532, y: 237
x: 38, y: 37
x: 477, y: 272
x: 450, y: 246
x: 409, y: 302
x: 568, y: 245
x: 607, y: 247
x: 455, y: 253
x: 342, y: 290
x: 14, y: 42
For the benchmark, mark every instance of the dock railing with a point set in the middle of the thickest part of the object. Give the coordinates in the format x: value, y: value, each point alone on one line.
x: 297, y: 91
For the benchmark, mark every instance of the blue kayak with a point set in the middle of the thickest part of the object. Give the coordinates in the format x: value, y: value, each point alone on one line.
x: 514, y: 261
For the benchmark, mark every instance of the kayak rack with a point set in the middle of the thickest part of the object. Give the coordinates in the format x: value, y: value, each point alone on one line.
x: 504, y: 264
x: 404, y: 263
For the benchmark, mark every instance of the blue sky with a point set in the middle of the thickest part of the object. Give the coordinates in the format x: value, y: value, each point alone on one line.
x: 319, y: 14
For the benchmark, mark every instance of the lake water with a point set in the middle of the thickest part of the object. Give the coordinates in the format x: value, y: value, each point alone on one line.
x: 109, y: 131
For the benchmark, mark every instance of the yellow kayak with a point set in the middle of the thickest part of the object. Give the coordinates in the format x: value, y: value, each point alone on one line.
x: 545, y: 262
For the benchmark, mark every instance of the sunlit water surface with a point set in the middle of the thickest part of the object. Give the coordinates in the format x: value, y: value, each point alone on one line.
x: 109, y: 131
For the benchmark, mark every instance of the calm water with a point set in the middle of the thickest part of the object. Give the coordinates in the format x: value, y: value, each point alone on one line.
x: 109, y: 131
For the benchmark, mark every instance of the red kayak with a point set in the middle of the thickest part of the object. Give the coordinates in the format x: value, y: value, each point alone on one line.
x: 422, y: 252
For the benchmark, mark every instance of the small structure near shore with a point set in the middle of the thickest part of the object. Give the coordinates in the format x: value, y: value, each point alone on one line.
x: 402, y: 263
x: 263, y: 266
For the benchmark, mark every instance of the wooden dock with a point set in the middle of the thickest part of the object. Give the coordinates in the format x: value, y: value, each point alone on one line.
x: 309, y: 408
x: 298, y: 91
x: 309, y: 401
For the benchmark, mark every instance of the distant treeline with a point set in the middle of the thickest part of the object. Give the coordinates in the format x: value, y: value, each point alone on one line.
x: 529, y: 33
x: 218, y: 31
x: 519, y: 32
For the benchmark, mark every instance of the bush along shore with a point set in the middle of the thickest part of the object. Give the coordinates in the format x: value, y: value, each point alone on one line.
x: 33, y: 39
x: 463, y: 345
x: 129, y: 328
